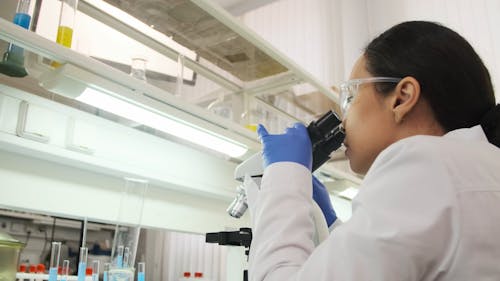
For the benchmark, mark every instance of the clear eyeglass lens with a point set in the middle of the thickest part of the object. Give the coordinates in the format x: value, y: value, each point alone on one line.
x: 349, y: 90
x: 347, y: 93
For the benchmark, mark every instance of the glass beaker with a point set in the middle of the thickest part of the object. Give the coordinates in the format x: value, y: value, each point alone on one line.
x: 221, y: 108
x: 138, y: 68
x: 121, y: 274
x: 127, y: 231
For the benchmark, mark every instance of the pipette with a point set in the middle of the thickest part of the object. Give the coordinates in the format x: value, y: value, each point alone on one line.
x: 84, y: 232
x: 54, y: 260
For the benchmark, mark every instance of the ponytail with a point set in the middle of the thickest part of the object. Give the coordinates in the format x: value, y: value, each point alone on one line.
x: 491, y: 125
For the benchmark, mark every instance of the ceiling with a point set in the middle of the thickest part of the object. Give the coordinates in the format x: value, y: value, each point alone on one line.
x: 197, y: 30
x: 239, y: 7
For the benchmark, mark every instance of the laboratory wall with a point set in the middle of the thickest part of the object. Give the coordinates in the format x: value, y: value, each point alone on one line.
x: 326, y: 37
x: 168, y: 255
x: 477, y: 21
x: 305, y: 31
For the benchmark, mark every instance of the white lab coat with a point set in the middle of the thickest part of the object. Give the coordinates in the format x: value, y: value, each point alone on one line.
x: 428, y: 209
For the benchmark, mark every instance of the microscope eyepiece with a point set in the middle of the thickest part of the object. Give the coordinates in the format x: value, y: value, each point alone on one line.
x: 322, y: 127
x: 326, y: 136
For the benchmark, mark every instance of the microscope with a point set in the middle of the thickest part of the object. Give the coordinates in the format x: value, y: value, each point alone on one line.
x: 326, y: 134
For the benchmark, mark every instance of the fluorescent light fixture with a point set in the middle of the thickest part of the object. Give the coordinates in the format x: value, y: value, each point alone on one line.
x: 349, y: 193
x: 162, y: 122
x: 76, y: 83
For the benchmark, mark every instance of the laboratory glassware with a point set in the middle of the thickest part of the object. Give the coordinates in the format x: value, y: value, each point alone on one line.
x: 67, y: 17
x: 55, y: 254
x: 12, y: 63
x: 127, y: 230
x: 65, y: 270
x: 95, y: 270
x: 82, y: 264
x: 141, y: 271
x: 138, y: 68
x: 105, y: 271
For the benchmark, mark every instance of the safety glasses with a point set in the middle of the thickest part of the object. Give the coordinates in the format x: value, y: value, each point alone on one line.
x: 349, y: 89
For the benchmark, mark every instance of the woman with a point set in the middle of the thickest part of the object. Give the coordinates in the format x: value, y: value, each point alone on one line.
x: 422, y: 125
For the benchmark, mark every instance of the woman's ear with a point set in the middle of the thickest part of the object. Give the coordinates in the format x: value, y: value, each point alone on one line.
x: 405, y: 98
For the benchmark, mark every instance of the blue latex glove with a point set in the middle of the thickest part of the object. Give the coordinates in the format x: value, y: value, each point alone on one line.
x: 320, y: 195
x: 292, y: 146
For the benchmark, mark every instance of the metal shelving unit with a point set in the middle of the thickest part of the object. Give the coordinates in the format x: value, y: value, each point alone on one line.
x: 252, y: 91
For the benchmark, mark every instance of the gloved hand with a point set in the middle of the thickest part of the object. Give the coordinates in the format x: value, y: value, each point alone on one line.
x: 321, y: 197
x: 292, y: 146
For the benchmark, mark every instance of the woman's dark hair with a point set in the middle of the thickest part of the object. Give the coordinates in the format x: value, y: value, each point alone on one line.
x: 452, y: 77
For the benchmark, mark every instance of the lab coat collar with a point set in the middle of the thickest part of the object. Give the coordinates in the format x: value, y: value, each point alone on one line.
x: 475, y: 133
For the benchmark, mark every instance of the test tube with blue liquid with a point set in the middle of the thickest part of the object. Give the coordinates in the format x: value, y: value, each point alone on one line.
x: 54, y: 260
x: 105, y: 272
x: 13, y: 60
x: 95, y: 270
x: 119, y: 257
x: 82, y: 265
x: 141, y: 271
x: 65, y: 270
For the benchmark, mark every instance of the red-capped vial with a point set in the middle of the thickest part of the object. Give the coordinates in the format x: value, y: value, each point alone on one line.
x: 22, y: 268
x: 88, y: 271
x: 32, y: 268
x: 40, y: 268
x: 187, y: 274
x: 198, y: 275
